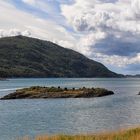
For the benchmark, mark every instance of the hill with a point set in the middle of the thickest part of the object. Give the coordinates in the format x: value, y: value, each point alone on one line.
x: 29, y: 57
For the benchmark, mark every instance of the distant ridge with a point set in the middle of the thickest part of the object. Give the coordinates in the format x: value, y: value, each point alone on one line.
x: 22, y: 56
x: 133, y: 76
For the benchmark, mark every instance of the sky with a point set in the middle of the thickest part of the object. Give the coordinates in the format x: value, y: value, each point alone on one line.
x: 107, y: 31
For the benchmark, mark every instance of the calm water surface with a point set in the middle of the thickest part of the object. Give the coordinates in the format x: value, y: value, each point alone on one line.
x: 69, y: 116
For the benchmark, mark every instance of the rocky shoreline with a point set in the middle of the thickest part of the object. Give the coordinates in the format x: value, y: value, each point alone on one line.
x: 38, y: 92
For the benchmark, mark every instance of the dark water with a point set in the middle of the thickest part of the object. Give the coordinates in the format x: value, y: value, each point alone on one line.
x: 69, y: 116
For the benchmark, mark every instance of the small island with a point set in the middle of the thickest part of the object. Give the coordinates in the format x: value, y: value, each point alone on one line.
x: 38, y: 92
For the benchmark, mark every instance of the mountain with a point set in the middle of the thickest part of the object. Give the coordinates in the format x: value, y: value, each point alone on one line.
x: 22, y: 56
x: 133, y: 76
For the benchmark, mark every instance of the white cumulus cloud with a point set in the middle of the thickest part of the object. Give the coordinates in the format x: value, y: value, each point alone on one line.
x: 119, y: 25
x: 13, y: 32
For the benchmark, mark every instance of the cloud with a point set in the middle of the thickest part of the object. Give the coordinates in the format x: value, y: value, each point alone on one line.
x: 117, y: 21
x: 86, y: 42
x: 15, y: 22
x: 120, y: 61
x: 92, y: 15
x: 39, y: 4
x: 31, y: 2
x: 112, y: 45
x: 135, y: 5
x: 48, y: 7
x: 14, y: 32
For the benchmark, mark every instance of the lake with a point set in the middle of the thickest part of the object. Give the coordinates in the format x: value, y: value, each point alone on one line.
x: 69, y: 116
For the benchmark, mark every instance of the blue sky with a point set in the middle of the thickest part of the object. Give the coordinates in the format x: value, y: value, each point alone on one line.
x: 107, y: 31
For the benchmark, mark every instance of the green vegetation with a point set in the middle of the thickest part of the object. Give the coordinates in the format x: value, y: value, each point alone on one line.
x: 28, y: 57
x: 57, y: 92
x: 132, y: 134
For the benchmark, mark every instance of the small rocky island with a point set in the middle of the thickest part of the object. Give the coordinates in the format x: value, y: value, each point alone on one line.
x: 56, y: 92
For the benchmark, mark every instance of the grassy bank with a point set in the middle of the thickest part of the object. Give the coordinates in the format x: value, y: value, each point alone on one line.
x: 131, y: 134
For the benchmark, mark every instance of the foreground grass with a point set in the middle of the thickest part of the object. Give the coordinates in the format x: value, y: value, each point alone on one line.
x: 131, y: 134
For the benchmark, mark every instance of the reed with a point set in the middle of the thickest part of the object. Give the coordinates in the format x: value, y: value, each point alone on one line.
x: 131, y: 134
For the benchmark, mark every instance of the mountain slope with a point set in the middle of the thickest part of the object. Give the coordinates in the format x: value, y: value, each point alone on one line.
x: 28, y: 57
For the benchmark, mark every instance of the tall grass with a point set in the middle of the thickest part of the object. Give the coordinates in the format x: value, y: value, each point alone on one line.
x: 131, y: 134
